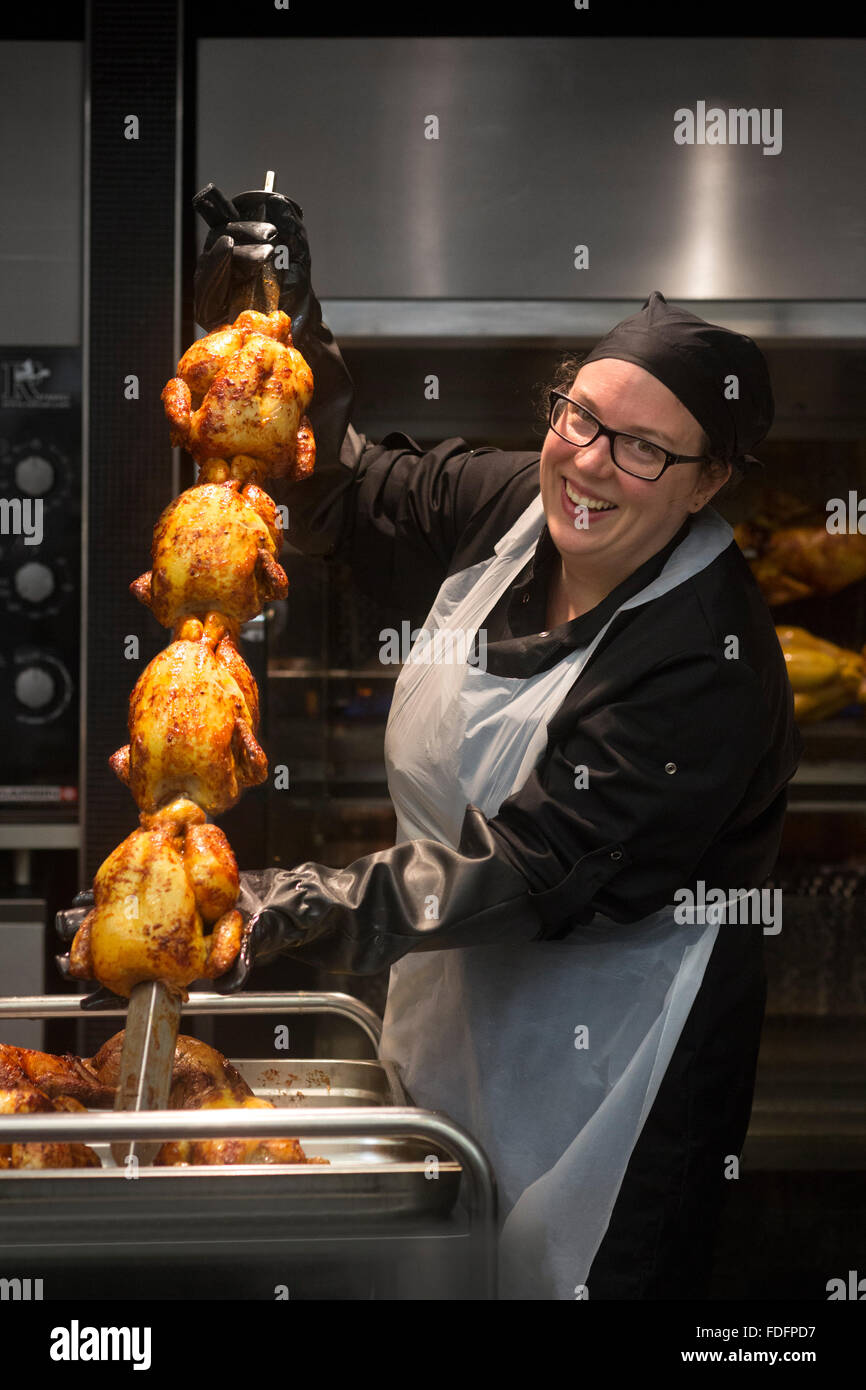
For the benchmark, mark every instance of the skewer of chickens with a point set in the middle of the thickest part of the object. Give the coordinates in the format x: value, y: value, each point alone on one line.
x: 163, y: 912
x: 238, y: 404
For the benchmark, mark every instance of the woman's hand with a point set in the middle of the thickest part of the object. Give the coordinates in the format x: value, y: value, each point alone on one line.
x: 244, y: 235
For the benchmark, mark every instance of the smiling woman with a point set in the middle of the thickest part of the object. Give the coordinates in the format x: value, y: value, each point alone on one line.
x: 619, y: 519
x: 554, y: 801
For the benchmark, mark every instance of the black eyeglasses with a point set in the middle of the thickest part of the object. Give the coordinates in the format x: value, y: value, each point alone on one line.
x: 577, y: 425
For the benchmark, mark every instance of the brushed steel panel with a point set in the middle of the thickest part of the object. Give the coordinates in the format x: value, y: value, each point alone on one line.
x: 545, y: 144
x: 41, y: 102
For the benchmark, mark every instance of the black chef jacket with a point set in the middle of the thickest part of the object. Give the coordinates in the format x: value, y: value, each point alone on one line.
x: 659, y: 693
x: 688, y: 752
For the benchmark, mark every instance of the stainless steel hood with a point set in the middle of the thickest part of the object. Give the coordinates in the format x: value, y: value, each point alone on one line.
x: 447, y: 182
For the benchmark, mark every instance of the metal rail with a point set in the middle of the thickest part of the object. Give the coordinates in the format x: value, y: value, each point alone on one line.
x: 208, y: 1002
x: 93, y: 1127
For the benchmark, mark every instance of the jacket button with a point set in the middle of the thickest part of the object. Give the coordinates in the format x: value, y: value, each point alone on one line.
x: 616, y: 854
x: 670, y: 767
x: 525, y: 598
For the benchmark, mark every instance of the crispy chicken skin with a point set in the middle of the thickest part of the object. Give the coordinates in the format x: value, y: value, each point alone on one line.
x: 202, y: 1079
x: 244, y: 390
x: 238, y: 404
x: 193, y: 714
x: 215, y: 1151
x: 68, y: 1076
x: 198, y: 1068
x: 154, y: 896
x: 214, y: 547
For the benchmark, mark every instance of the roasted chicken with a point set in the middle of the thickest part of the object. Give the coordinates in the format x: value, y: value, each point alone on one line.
x: 154, y: 896
x: 244, y: 390
x: 825, y: 678
x: 28, y: 1100
x: 71, y: 1077
x: 213, y: 1151
x: 237, y: 403
x: 202, y: 1079
x: 214, y: 548
x: 793, y: 556
x: 193, y: 716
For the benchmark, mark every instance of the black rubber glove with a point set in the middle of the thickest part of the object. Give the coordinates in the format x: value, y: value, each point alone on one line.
x: 66, y: 924
x: 243, y: 236
x: 417, y: 896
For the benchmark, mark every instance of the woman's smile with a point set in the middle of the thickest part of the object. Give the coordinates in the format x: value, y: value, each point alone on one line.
x: 583, y: 508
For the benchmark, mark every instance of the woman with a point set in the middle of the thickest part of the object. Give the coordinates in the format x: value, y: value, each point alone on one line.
x: 618, y: 732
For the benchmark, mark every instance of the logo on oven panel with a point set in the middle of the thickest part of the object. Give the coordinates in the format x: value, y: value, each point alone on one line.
x: 24, y: 384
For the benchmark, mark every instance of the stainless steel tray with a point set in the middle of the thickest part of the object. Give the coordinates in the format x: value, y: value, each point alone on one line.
x: 293, y: 1081
x: 377, y: 1176
x: 387, y: 1161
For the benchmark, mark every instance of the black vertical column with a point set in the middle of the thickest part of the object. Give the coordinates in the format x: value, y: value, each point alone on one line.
x: 130, y: 328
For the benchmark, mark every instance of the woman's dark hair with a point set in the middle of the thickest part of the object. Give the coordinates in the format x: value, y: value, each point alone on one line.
x: 564, y: 373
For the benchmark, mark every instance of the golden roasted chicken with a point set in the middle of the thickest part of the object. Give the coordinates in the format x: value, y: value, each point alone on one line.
x: 214, y: 548
x: 193, y: 717
x: 793, y: 556
x: 155, y: 896
x: 245, y: 390
x: 825, y: 678
x: 164, y: 898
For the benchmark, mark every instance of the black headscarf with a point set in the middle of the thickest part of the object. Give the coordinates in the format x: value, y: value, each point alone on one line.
x: 693, y: 359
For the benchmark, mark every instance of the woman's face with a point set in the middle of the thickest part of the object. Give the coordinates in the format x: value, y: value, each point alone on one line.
x: 645, y: 515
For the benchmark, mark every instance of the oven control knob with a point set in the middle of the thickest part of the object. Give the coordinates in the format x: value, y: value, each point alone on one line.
x: 34, y: 687
x: 34, y: 475
x: 34, y: 582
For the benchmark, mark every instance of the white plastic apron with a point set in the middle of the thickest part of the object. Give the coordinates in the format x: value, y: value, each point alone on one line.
x: 488, y: 1033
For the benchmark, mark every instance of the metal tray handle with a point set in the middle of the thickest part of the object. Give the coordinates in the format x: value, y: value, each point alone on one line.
x: 208, y: 1002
